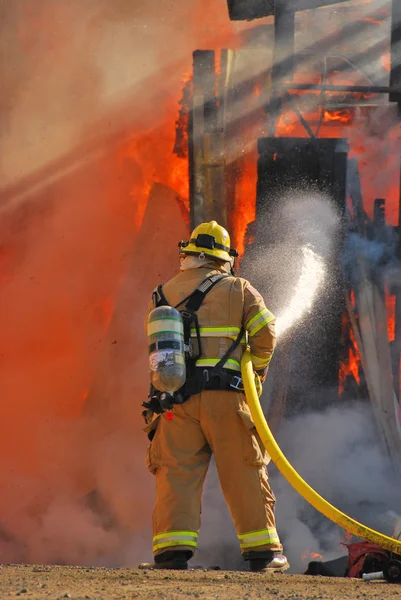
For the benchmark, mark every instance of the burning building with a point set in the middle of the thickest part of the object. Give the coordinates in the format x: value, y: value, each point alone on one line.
x: 295, y: 112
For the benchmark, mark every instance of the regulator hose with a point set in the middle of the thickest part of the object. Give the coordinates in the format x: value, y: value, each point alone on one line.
x: 291, y: 475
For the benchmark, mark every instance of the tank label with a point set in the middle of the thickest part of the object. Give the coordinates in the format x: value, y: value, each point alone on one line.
x: 158, y: 360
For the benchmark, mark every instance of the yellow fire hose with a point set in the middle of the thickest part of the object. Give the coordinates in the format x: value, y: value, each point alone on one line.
x: 291, y: 475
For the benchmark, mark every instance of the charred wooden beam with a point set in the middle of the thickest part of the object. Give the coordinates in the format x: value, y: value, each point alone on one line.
x: 246, y: 10
x: 379, y: 213
x: 362, y: 89
x: 395, y: 72
x: 195, y: 141
x: 355, y: 192
x: 396, y: 349
x: 206, y: 143
x: 284, y: 42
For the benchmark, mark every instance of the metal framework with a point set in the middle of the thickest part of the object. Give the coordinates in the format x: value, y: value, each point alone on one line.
x: 284, y: 45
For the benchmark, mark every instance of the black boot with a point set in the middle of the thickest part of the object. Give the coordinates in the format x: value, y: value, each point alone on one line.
x: 266, y: 561
x: 172, y: 559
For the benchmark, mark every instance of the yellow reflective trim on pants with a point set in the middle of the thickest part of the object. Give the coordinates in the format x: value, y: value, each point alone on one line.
x: 170, y: 539
x: 230, y: 363
x: 173, y: 544
x: 263, y: 318
x: 263, y: 537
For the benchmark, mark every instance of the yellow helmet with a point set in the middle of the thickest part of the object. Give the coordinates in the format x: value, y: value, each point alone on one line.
x: 210, y: 239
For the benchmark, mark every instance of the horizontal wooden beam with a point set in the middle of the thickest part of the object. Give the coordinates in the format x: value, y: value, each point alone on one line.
x: 245, y: 10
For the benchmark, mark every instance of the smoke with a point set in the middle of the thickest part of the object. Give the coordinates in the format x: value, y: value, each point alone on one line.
x: 337, y: 451
x: 82, y: 73
x: 87, y: 125
x: 378, y: 254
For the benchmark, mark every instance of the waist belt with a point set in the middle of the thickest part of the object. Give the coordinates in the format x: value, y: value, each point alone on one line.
x: 203, y: 379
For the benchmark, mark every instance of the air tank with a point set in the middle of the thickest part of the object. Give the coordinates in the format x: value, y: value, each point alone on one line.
x: 166, y: 349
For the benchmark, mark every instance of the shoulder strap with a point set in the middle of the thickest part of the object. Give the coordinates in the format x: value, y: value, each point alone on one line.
x: 217, y: 368
x: 192, y: 305
x: 195, y: 299
x: 158, y: 297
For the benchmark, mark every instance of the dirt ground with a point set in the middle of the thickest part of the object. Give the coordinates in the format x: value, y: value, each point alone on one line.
x: 101, y: 584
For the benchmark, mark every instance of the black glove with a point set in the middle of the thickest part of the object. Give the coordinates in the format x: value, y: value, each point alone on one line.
x: 153, y: 404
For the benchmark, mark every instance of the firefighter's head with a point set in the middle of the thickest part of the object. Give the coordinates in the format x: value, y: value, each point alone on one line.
x: 209, y: 240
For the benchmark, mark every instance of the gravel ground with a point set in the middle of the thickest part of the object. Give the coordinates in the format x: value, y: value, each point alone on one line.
x: 102, y: 584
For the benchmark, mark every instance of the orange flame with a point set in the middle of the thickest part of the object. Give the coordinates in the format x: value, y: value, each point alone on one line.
x: 349, y: 365
x: 385, y: 60
x: 390, y: 307
x: 343, y: 116
x: 245, y: 202
x: 308, y: 555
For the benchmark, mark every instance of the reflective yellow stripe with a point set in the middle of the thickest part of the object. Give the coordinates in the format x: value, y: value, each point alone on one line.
x: 218, y: 331
x: 260, y: 363
x: 229, y: 332
x: 165, y: 326
x: 263, y: 537
x: 175, y: 533
x: 263, y: 318
x: 175, y: 538
x: 230, y: 363
x: 171, y: 544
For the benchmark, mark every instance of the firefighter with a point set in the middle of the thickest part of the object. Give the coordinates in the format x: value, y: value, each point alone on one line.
x: 212, y: 415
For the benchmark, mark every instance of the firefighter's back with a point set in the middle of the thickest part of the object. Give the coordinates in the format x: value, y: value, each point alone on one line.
x: 220, y: 315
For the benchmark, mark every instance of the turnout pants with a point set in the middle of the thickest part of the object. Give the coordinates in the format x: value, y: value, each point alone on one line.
x: 217, y: 422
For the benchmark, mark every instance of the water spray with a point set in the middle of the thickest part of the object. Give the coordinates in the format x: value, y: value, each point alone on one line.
x: 311, y: 279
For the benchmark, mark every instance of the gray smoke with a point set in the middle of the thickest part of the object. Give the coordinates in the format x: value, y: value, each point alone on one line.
x: 337, y: 451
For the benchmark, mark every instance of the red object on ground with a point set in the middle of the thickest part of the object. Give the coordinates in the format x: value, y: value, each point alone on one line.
x: 360, y: 554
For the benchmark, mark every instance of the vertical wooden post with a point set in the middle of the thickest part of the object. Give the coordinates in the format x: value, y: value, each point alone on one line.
x: 396, y: 349
x: 206, y: 143
x: 395, y: 72
x: 284, y: 42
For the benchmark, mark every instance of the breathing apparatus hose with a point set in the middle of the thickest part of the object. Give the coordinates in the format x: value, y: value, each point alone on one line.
x: 291, y: 475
